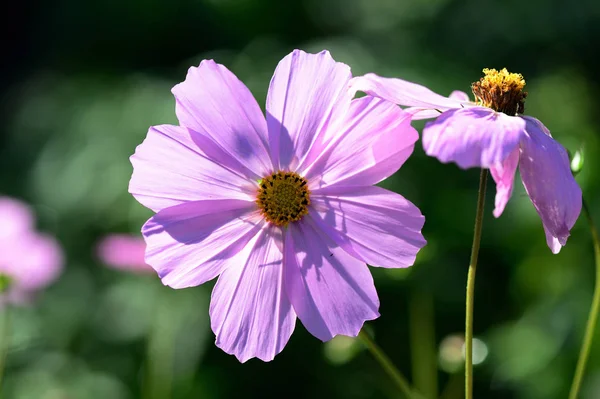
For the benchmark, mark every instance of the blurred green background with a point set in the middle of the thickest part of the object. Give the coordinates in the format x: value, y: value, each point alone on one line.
x: 81, y: 83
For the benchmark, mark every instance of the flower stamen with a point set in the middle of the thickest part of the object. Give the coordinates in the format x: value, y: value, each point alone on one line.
x: 501, y: 91
x: 283, y: 197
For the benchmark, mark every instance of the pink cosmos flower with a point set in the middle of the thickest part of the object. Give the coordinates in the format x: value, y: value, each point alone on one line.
x: 124, y: 252
x: 282, y: 209
x: 29, y: 260
x: 492, y: 133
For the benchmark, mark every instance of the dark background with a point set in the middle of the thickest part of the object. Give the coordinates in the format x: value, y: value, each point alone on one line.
x: 83, y: 80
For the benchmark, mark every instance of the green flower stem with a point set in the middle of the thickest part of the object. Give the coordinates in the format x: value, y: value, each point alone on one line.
x: 584, y: 354
x: 386, y: 364
x: 471, y: 286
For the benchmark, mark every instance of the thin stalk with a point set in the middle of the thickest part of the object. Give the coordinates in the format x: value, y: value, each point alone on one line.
x: 386, y: 364
x: 471, y: 286
x: 584, y: 354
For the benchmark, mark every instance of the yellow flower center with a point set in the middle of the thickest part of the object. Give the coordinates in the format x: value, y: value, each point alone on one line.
x: 283, y: 197
x: 501, y: 91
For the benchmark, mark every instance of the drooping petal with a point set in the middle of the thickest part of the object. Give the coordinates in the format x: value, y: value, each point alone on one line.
x: 16, y: 218
x: 547, y: 177
x: 332, y: 292
x: 213, y: 100
x: 372, y: 224
x: 424, y: 103
x: 473, y: 137
x: 371, y: 144
x: 553, y: 242
x: 305, y: 92
x: 250, y: 312
x: 170, y: 168
x: 504, y: 176
x: 192, y: 243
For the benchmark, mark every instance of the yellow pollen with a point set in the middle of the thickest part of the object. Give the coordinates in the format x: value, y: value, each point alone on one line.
x: 501, y: 90
x: 283, y: 197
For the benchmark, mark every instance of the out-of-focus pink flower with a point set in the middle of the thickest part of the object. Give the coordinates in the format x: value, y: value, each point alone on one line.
x: 15, y: 218
x: 124, y: 252
x: 284, y: 208
x: 493, y: 133
x: 29, y: 260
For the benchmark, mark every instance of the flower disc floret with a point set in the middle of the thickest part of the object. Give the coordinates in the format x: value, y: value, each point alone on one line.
x: 283, y: 197
x: 501, y: 91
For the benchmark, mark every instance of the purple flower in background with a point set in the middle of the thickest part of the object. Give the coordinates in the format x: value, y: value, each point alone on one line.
x: 29, y: 260
x: 282, y: 209
x: 492, y: 133
x: 124, y: 252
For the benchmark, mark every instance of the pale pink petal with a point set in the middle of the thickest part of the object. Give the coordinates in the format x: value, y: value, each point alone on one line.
x: 250, y: 312
x: 459, y: 96
x: 32, y: 260
x: 504, y: 176
x: 473, y: 137
x: 425, y: 103
x: 213, y: 100
x: 332, y: 292
x: 370, y: 145
x: 372, y: 224
x: 553, y: 242
x: 419, y: 113
x: 15, y: 217
x: 124, y: 252
x: 192, y: 243
x: 305, y: 92
x: 170, y: 168
x: 547, y: 177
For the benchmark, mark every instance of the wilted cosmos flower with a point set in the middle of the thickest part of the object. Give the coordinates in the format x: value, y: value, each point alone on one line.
x: 283, y: 208
x: 492, y: 133
x: 29, y: 260
x: 123, y: 252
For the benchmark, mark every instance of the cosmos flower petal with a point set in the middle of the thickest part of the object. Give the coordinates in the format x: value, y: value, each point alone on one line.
x: 305, y: 91
x: 459, y: 96
x: 372, y: 224
x: 419, y: 113
x: 473, y: 137
x: 547, y: 177
x: 424, y: 102
x: 16, y: 217
x: 554, y: 243
x: 250, y: 312
x: 170, y: 168
x: 192, y: 243
x: 374, y: 140
x: 504, y: 176
x: 332, y: 292
x: 213, y: 100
